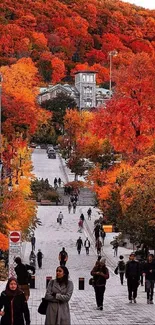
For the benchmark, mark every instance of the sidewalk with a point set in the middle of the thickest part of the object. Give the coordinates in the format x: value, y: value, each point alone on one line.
x: 51, y: 237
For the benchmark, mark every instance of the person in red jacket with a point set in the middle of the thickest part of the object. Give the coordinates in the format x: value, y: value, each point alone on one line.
x: 14, y: 305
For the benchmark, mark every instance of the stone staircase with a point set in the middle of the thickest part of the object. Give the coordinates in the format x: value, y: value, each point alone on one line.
x: 86, y: 197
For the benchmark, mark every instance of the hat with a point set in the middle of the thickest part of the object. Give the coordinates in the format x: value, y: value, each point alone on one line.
x: 102, y: 260
x: 132, y: 254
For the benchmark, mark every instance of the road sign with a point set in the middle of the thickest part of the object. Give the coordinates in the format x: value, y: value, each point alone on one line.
x: 15, y: 236
x: 14, y: 250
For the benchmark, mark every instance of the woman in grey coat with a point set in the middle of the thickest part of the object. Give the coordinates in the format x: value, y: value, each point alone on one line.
x: 59, y: 292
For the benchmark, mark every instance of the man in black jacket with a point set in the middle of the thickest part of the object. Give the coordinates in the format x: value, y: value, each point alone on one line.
x: 133, y: 276
x: 23, y: 276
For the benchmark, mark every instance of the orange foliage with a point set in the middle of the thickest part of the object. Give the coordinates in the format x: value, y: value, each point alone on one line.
x: 4, y: 242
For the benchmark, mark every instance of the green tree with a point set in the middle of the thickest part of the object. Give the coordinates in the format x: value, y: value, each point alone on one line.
x: 58, y: 106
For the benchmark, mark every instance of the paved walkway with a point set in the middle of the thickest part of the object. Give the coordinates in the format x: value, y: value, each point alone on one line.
x: 51, y: 237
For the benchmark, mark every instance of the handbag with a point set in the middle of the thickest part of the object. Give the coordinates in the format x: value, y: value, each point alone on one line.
x: 116, y: 270
x: 91, y: 282
x: 43, y: 307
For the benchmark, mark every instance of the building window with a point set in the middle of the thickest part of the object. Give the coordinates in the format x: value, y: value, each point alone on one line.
x: 83, y: 77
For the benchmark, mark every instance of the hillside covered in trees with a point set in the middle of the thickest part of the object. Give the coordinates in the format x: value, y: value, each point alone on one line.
x: 60, y: 36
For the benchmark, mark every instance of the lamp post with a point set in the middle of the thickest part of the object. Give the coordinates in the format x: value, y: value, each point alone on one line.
x: 111, y: 54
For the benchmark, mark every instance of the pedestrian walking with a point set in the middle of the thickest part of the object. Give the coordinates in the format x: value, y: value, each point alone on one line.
x: 23, y: 276
x: 80, y: 225
x: 100, y: 274
x: 60, y: 217
x: 79, y: 245
x: 98, y: 246
x: 89, y: 212
x: 55, y: 181
x: 149, y: 272
x: 97, y: 231
x: 58, y: 294
x: 63, y: 257
x: 15, y: 308
x: 59, y: 181
x: 32, y: 259
x: 74, y: 206
x: 87, y: 245
x: 132, y: 273
x: 39, y: 258
x: 115, y: 247
x: 33, y: 242
x: 82, y: 217
x: 69, y: 207
x: 103, y: 235
x: 121, y: 268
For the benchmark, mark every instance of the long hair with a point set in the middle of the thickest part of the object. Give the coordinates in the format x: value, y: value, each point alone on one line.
x: 10, y: 292
x: 64, y: 279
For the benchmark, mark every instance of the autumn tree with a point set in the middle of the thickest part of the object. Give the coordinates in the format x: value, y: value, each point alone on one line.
x: 58, y: 106
x: 137, y: 201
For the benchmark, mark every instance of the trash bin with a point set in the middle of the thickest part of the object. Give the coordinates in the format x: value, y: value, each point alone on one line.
x: 48, y: 278
x: 81, y: 283
x: 32, y: 282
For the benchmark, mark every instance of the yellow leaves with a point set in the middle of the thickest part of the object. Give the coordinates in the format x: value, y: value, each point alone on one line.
x: 20, y: 79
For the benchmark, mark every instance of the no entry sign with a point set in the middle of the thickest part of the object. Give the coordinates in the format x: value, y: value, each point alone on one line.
x: 14, y: 250
x: 15, y: 236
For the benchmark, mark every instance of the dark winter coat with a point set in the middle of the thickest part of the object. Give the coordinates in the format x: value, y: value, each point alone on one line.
x: 15, y: 308
x: 132, y: 270
x: 100, y: 274
x: 22, y: 273
x: 147, y: 267
x: 79, y: 243
x: 58, y: 312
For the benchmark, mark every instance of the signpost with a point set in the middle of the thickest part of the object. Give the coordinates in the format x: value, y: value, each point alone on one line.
x: 14, y: 250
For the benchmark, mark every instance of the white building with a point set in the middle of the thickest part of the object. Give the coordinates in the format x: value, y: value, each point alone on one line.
x: 85, y: 92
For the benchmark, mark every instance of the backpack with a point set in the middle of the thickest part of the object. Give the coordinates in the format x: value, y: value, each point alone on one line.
x: 121, y: 265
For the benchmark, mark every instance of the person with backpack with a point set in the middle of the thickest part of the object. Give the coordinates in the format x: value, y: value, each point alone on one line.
x: 121, y: 268
x: 87, y: 245
x: 79, y: 245
x: 23, y: 276
x: 63, y: 257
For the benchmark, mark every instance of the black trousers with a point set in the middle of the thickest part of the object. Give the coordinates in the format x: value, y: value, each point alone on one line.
x: 132, y: 288
x: 40, y: 263
x: 87, y: 250
x: 121, y: 277
x: 99, y: 294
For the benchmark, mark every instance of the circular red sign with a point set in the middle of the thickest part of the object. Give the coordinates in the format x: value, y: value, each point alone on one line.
x: 15, y: 236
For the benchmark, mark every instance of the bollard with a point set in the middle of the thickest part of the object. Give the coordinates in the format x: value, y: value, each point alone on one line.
x: 48, y: 278
x: 32, y: 282
x: 81, y: 283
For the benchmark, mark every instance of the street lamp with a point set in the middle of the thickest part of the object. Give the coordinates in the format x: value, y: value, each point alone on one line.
x: 111, y: 54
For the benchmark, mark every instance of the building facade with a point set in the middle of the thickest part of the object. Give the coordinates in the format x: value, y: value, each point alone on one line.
x: 85, y: 92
